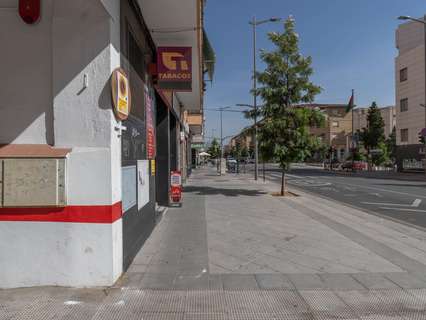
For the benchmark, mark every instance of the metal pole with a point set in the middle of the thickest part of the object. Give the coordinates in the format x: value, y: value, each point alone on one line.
x: 221, y: 143
x: 353, y: 134
x: 256, y: 151
x: 424, y: 24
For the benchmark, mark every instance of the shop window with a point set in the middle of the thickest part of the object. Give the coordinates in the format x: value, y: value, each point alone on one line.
x: 404, y: 135
x: 404, y: 105
x: 136, y: 57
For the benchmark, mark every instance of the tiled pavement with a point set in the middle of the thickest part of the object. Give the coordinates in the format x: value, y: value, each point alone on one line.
x: 235, y: 252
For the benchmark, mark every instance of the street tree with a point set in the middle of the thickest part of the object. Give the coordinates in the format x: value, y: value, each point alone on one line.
x: 214, y: 149
x: 284, y: 84
x: 391, y: 145
x: 244, y: 152
x: 373, y: 137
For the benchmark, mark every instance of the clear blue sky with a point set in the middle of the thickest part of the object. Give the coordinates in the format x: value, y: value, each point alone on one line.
x: 352, y: 43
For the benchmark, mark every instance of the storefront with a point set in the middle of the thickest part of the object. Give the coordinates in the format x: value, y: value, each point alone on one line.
x: 88, y: 136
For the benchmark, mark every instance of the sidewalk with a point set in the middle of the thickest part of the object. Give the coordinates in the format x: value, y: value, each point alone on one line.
x: 233, y: 251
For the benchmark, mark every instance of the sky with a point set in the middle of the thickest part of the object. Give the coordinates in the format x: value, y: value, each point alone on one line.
x: 351, y: 42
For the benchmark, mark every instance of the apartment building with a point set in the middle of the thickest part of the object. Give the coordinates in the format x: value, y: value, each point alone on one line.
x: 337, y: 131
x: 388, y: 114
x: 243, y: 139
x: 410, y: 94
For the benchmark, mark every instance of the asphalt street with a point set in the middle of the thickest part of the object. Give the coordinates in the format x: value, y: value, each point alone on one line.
x: 403, y: 200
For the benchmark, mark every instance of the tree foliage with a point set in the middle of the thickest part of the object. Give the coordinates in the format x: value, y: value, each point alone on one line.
x: 373, y: 137
x: 214, y: 149
x: 284, y: 133
x: 391, y: 145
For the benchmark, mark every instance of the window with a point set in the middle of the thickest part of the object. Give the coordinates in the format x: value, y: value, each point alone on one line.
x: 404, y: 105
x: 404, y: 135
x: 403, y: 75
x: 335, y: 124
x: 136, y: 57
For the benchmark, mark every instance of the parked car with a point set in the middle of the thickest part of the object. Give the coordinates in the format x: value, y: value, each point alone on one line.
x: 356, y: 165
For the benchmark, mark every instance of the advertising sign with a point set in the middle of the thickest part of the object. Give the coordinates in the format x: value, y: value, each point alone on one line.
x: 176, y: 186
x: 143, y: 183
x: 174, y: 66
x: 153, y: 167
x: 150, y: 130
x: 120, y: 94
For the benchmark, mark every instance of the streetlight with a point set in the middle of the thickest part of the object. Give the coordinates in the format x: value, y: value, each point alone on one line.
x: 424, y: 24
x: 221, y: 109
x: 254, y: 23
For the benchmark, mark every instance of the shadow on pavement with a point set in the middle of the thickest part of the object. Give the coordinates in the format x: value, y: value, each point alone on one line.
x: 226, y: 192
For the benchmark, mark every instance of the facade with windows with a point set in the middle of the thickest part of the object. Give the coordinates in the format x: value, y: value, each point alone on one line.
x: 79, y: 186
x: 337, y: 132
x: 388, y: 114
x: 410, y: 93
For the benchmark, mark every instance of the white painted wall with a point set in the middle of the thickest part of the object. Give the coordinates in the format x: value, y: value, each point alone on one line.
x: 59, y: 254
x: 26, y: 84
x: 43, y: 101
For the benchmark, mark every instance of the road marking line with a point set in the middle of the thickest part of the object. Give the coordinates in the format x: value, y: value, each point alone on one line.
x: 372, y: 188
x: 380, y: 189
x: 400, y: 209
x: 416, y: 203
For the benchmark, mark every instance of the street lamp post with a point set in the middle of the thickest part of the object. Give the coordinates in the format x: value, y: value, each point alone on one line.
x: 254, y: 23
x: 221, y: 138
x: 424, y: 24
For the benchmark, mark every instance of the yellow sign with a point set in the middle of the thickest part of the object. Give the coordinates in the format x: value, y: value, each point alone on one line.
x: 121, y: 94
x: 152, y: 167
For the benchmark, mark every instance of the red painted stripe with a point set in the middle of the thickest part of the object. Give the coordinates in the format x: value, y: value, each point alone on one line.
x: 77, y: 214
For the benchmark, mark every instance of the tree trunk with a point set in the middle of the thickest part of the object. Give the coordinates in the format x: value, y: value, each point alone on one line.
x: 283, y: 183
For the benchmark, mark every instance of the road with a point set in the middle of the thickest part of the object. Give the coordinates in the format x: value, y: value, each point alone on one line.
x: 403, y: 200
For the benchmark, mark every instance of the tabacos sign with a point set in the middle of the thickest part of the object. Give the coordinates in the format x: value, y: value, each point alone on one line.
x: 174, y: 68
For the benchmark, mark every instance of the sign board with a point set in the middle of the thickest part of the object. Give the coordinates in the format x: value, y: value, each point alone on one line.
x: 121, y: 96
x: 153, y: 169
x: 376, y: 151
x: 128, y: 189
x: 174, y: 67
x: 197, y: 146
x: 143, y: 183
x: 176, y: 179
x: 176, y: 186
x: 150, y: 130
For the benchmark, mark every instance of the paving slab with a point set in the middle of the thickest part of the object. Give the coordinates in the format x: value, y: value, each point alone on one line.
x: 374, y: 281
x: 157, y: 281
x: 406, y: 280
x: 306, y: 281
x: 239, y: 282
x: 341, y: 282
x: 274, y: 281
